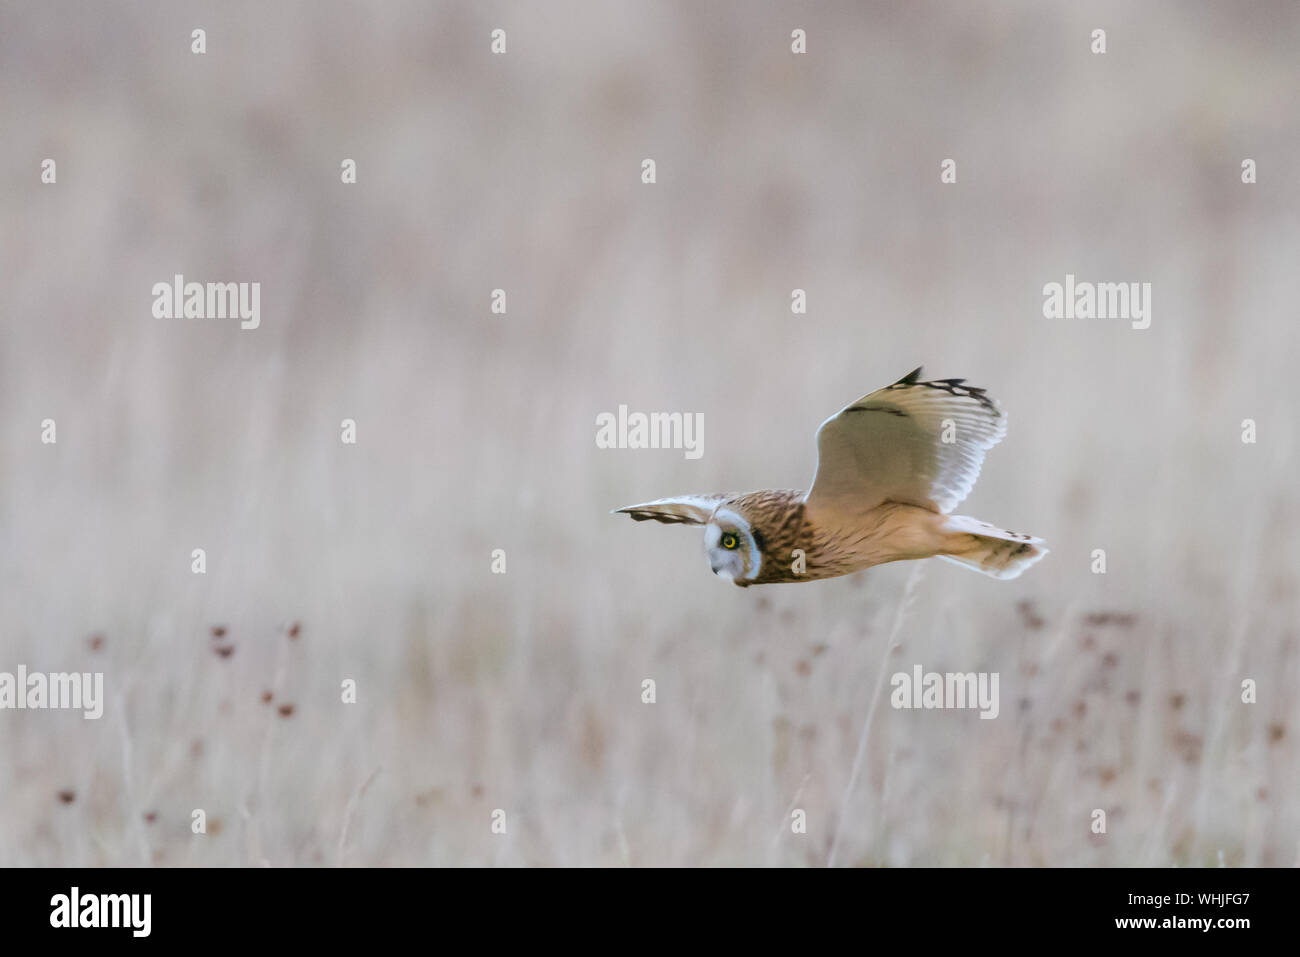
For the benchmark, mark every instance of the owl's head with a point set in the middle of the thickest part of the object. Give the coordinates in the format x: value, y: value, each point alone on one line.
x: 733, y: 552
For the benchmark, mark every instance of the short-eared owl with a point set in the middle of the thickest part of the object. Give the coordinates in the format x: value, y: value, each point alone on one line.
x: 890, y: 467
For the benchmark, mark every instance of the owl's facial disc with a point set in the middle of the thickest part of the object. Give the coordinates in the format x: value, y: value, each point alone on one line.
x: 730, y: 547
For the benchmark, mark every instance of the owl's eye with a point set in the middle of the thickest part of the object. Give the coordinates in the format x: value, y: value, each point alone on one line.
x: 730, y: 541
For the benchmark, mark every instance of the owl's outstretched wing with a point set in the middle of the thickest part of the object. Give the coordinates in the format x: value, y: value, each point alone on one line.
x: 921, y: 443
x: 680, y: 510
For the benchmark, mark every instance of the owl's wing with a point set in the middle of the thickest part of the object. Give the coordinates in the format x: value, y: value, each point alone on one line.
x: 890, y: 446
x: 681, y: 510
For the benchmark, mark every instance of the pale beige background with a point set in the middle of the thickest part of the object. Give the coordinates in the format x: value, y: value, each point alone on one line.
x: 522, y: 691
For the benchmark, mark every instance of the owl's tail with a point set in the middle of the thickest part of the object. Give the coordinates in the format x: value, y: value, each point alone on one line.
x: 987, y: 549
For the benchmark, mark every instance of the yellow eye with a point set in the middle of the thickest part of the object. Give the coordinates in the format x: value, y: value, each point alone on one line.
x: 730, y: 541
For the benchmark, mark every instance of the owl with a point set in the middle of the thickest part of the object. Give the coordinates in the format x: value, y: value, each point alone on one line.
x: 890, y: 469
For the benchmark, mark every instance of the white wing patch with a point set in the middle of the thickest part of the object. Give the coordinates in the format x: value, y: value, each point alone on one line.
x: 679, y: 510
x: 891, y: 446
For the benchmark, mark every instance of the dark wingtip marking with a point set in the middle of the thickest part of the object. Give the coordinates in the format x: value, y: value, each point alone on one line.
x: 955, y: 387
x: 667, y: 518
x: 878, y: 408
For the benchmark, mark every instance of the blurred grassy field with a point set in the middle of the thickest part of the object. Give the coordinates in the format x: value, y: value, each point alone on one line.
x: 476, y: 432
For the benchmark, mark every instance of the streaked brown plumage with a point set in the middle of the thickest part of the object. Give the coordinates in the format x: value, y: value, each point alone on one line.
x: 891, y: 466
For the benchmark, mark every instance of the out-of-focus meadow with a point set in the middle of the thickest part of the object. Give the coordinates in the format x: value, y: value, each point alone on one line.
x: 522, y: 171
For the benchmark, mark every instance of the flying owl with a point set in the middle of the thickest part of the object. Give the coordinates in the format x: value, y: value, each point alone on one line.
x: 890, y: 469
